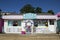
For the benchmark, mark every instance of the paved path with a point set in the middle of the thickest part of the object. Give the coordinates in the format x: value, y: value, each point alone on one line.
x: 29, y: 37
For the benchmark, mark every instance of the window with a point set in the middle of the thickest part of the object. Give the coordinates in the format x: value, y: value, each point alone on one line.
x: 42, y: 22
x: 14, y: 22
x: 10, y: 22
x: 35, y: 23
x: 51, y: 22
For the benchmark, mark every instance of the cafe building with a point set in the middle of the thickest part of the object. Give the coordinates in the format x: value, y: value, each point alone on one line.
x: 30, y: 23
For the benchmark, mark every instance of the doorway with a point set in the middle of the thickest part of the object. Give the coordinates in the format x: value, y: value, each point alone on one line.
x: 28, y: 26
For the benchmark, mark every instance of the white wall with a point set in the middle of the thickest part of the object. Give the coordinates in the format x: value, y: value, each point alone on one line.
x: 39, y: 29
x: 11, y: 29
x: 5, y: 25
x: 52, y: 28
x: 49, y: 29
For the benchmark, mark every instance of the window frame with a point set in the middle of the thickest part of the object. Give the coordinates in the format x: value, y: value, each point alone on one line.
x: 51, y: 22
x: 18, y: 21
x: 43, y: 22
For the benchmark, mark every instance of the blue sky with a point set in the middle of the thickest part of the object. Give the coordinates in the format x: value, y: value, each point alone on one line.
x: 16, y: 5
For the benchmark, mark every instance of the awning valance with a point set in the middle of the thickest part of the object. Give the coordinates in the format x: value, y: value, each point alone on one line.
x: 46, y: 17
x: 12, y: 17
x: 29, y: 16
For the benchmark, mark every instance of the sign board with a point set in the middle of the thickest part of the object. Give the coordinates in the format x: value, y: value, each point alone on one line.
x: 29, y: 16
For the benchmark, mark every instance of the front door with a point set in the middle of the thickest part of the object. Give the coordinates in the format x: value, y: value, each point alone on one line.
x: 28, y: 26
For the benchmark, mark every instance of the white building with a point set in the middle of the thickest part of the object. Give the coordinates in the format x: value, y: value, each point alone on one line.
x: 30, y: 23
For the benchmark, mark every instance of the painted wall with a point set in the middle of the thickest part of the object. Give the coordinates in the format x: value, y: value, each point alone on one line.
x: 52, y: 28
x: 49, y: 29
x: 11, y: 29
x: 1, y: 24
x: 39, y: 29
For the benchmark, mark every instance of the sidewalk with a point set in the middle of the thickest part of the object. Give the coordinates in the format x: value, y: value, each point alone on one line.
x: 29, y: 37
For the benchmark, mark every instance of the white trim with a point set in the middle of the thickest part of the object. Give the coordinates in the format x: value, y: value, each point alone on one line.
x: 37, y: 17
x: 46, y: 17
x: 12, y: 17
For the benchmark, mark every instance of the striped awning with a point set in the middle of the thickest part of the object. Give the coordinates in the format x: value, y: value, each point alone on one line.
x: 12, y: 17
x: 46, y: 17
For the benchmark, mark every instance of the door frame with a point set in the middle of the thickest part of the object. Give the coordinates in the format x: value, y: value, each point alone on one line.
x: 32, y: 24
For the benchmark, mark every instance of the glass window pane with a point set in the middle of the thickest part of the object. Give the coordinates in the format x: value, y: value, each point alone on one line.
x: 35, y: 23
x: 10, y: 22
x: 14, y: 22
x: 51, y: 22
x: 19, y: 23
x: 43, y: 22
